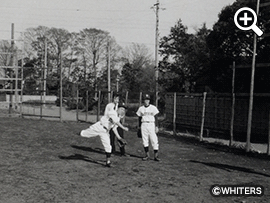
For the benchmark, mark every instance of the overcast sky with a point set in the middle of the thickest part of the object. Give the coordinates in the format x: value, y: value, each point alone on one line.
x: 126, y: 20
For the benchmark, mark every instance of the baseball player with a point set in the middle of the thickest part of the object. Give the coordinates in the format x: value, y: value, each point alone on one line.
x: 113, y: 105
x: 109, y: 107
x: 102, y: 128
x: 148, y: 125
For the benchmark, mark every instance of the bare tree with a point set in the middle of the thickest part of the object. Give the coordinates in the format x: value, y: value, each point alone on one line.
x: 137, y: 54
x: 60, y: 41
x: 138, y: 70
x: 34, y: 40
x: 91, y: 49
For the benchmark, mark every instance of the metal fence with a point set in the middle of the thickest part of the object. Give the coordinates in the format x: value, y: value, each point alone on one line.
x: 94, y: 103
x: 215, y: 115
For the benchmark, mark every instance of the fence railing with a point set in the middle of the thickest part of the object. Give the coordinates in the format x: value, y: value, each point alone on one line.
x: 95, y: 103
x: 219, y: 115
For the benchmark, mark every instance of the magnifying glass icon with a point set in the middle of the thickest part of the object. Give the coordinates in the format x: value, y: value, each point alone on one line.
x: 245, y: 19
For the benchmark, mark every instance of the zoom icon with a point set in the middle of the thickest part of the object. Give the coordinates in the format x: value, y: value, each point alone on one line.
x: 245, y: 19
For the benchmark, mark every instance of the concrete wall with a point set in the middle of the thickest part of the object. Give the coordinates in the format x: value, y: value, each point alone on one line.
x: 24, y: 98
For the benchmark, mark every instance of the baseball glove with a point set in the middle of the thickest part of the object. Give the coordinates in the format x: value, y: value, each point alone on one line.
x: 122, y: 142
x: 156, y: 130
x: 139, y: 133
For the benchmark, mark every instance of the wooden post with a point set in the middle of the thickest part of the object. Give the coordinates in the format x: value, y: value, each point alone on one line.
x: 11, y: 74
x: 41, y: 94
x: 126, y: 101
x: 16, y: 83
x: 21, y: 87
x: 86, y: 111
x: 14, y: 64
x: 45, y: 72
x: 61, y: 86
x: 77, y: 106
x: 157, y: 99
x: 233, y: 105
x: 95, y: 71
x: 216, y: 109
x: 117, y: 82
x: 203, y: 116
x: 109, y: 71
x: 140, y: 99
x: 111, y: 96
x: 252, y: 88
x: 98, y: 110
x: 174, y: 113
x: 41, y: 91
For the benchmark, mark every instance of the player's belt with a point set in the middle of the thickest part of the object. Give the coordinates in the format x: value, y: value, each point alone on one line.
x: 148, y: 121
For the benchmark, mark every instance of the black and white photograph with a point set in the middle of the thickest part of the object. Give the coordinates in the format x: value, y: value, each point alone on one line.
x: 140, y: 101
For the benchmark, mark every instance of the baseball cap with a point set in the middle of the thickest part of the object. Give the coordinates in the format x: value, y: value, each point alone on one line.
x: 146, y: 96
x: 122, y: 104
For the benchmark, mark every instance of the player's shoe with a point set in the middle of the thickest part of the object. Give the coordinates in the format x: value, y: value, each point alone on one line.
x: 145, y: 158
x: 156, y: 159
x: 108, y: 164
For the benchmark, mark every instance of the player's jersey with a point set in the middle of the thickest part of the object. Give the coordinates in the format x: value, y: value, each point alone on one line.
x: 147, y: 113
x: 109, y: 120
x: 110, y: 107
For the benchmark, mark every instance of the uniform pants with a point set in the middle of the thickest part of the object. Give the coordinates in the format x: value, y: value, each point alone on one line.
x: 98, y: 130
x: 148, y: 133
x: 112, y: 136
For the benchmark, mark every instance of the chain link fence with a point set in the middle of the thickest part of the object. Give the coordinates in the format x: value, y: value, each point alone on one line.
x: 215, y: 115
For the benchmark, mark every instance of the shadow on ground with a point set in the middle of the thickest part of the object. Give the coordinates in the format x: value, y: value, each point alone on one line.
x: 230, y: 168
x: 83, y: 158
x: 101, y: 151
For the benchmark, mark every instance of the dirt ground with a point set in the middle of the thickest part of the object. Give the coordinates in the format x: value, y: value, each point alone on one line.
x: 46, y: 161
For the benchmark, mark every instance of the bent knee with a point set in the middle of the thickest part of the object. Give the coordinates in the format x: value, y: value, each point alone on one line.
x: 83, y: 133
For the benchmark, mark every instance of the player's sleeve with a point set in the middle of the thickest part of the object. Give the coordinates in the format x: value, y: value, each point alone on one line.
x: 155, y: 110
x: 139, y: 112
x: 108, y: 108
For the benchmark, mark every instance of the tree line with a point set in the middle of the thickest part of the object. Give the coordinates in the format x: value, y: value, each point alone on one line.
x: 83, y: 57
x: 188, y: 62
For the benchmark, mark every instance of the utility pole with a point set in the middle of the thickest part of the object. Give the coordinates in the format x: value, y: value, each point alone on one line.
x: 249, y: 127
x: 156, y: 51
x: 45, y: 72
x: 61, y: 85
x: 95, y: 70
x: 109, y: 71
x: 11, y: 73
x: 117, y: 82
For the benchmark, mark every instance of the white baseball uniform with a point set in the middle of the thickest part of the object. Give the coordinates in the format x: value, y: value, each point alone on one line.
x: 109, y: 107
x: 102, y: 128
x: 148, y: 125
